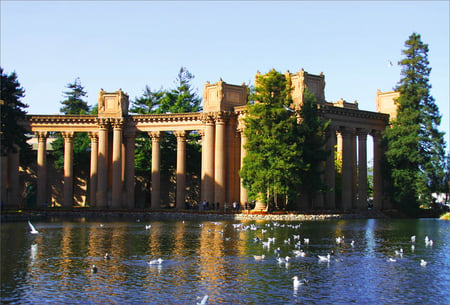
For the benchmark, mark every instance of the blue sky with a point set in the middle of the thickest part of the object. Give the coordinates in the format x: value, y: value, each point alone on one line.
x: 131, y: 44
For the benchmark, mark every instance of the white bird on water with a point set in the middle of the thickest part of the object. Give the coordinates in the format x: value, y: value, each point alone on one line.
x: 204, y: 300
x: 32, y: 228
x: 158, y: 261
x: 324, y: 258
x: 296, y: 282
x: 423, y: 263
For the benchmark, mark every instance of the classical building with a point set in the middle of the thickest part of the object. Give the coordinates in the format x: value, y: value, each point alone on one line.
x: 113, y: 132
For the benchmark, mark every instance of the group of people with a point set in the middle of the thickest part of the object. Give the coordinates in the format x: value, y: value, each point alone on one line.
x: 206, y: 206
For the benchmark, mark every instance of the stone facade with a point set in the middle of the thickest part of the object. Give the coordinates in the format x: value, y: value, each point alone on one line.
x: 112, y: 175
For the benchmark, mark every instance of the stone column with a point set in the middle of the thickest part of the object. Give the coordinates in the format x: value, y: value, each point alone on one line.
x: 219, y: 162
x: 354, y: 160
x: 94, y: 169
x: 237, y: 164
x: 117, y: 182
x: 346, y: 169
x: 202, y: 174
x: 330, y: 171
x: 209, y: 161
x: 377, y: 178
x: 102, y: 184
x: 130, y: 138
x: 362, y: 169
x: 41, y: 196
x: 243, y: 190
x: 68, y: 168
x: 181, y: 169
x: 156, y: 169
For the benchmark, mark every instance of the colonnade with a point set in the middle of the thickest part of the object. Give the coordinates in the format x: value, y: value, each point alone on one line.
x: 113, y: 135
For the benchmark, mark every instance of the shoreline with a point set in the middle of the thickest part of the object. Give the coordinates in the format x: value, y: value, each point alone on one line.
x: 17, y: 215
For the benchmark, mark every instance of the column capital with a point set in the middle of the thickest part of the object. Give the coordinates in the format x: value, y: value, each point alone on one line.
x: 345, y: 131
x: 208, y: 118
x: 181, y: 134
x: 361, y: 132
x: 94, y: 136
x: 155, y: 135
x: 221, y: 117
x: 103, y: 123
x: 68, y: 135
x: 42, y: 135
x: 117, y: 123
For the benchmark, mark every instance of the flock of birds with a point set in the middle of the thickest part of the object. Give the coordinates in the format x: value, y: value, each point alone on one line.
x: 297, y: 251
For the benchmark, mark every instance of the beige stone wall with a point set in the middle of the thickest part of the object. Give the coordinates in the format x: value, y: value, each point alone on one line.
x: 385, y: 103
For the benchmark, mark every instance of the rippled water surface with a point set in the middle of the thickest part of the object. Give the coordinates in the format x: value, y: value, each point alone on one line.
x: 216, y: 258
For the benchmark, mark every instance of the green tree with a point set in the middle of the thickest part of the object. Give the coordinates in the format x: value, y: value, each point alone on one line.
x: 74, y: 103
x: 313, y: 128
x: 414, y: 145
x: 183, y: 98
x: 12, y: 111
x: 273, y: 164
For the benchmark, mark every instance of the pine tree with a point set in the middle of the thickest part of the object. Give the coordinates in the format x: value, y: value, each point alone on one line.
x: 313, y: 128
x: 74, y: 103
x: 414, y: 145
x: 12, y: 111
x: 272, y: 166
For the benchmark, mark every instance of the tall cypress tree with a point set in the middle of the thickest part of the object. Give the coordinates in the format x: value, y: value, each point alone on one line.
x: 272, y: 166
x: 414, y: 145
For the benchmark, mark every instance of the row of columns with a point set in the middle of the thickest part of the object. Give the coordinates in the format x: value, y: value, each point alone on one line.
x: 220, y: 165
x: 354, y: 168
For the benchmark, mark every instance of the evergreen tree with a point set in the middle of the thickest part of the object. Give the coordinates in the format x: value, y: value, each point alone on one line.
x: 414, y: 145
x: 74, y: 103
x: 179, y: 100
x: 12, y: 112
x: 313, y: 128
x: 272, y: 167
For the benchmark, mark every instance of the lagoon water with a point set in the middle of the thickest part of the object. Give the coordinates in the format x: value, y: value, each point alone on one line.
x: 216, y: 258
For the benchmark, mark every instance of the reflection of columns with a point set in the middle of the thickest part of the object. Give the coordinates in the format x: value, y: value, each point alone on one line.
x: 156, y: 169
x: 209, y: 161
x: 219, y: 164
x: 243, y: 197
x: 346, y: 169
x: 102, y: 185
x: 68, y: 168
x: 94, y: 169
x: 4, y: 177
x: 181, y: 169
x: 129, y: 168
x: 117, y: 184
x: 362, y: 169
x: 377, y: 179
x: 42, y: 169
x: 330, y: 171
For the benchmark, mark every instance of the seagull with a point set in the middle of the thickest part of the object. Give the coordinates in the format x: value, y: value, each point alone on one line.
x: 94, y: 269
x: 389, y: 63
x: 413, y: 238
x: 156, y: 261
x: 148, y: 227
x: 107, y: 256
x: 204, y: 300
x: 391, y: 260
x: 296, y: 282
x: 32, y: 228
x: 423, y: 263
x: 324, y: 258
x: 283, y: 260
x: 299, y: 253
x: 259, y: 257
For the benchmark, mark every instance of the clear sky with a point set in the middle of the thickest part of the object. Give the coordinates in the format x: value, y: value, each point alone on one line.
x: 131, y: 44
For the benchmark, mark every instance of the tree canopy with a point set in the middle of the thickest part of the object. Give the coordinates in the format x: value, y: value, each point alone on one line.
x: 414, y: 145
x: 12, y: 110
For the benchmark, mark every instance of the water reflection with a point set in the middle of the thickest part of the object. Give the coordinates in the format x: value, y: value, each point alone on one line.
x: 217, y: 259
